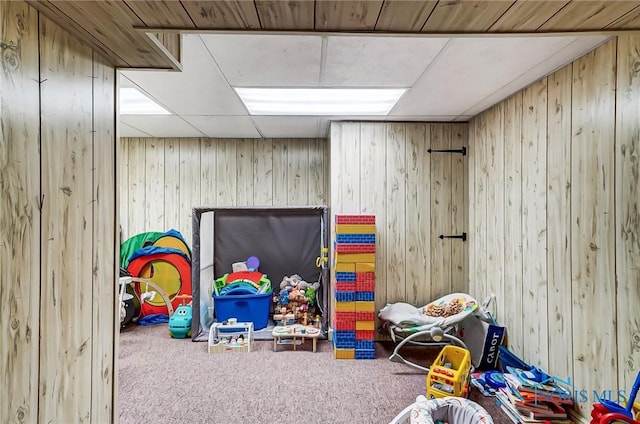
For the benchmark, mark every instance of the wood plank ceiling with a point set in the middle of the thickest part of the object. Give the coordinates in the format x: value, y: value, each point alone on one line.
x: 117, y: 27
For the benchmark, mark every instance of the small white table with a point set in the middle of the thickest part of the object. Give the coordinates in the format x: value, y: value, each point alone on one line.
x: 294, y: 332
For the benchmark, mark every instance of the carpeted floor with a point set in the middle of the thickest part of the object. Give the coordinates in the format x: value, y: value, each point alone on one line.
x: 165, y: 380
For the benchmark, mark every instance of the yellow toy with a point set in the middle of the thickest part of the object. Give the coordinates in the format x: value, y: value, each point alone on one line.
x: 450, y: 373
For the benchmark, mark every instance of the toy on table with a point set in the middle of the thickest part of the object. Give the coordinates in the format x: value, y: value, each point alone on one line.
x: 180, y: 321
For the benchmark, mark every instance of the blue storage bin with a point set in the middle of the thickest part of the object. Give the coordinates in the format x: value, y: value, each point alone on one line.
x: 245, y: 307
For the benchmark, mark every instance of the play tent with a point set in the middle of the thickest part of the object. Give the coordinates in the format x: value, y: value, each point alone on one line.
x: 163, y: 258
x: 287, y: 240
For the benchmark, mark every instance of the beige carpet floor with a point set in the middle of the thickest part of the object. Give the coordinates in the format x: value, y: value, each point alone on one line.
x: 165, y: 380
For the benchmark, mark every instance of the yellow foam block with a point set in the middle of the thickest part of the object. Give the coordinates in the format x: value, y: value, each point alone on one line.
x: 345, y: 353
x: 365, y: 267
x: 345, y: 306
x: 363, y: 306
x: 365, y: 325
x: 355, y: 229
x: 355, y: 257
x: 345, y: 267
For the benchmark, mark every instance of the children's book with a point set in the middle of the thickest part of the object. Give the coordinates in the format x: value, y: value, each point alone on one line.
x: 548, y: 390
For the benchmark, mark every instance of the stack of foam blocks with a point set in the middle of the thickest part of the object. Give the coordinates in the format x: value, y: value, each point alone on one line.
x: 354, y: 286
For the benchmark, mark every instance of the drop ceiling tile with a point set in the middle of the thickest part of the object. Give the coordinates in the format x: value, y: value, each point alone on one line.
x: 579, y: 47
x: 355, y: 61
x: 470, y: 69
x: 129, y: 131
x: 161, y: 125
x: 224, y: 126
x: 267, y: 60
x: 291, y: 126
x: 200, y: 89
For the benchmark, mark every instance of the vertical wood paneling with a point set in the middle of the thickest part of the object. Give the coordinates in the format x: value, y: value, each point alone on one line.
x: 373, y: 186
x: 154, y: 184
x: 298, y: 163
x: 418, y: 215
x: 317, y: 171
x: 280, y: 172
x: 495, y: 208
x: 67, y: 275
x: 208, y: 158
x: 396, y: 221
x: 226, y: 172
x: 104, y: 242
x: 559, y: 221
x: 627, y: 159
x: 346, y: 168
x: 592, y: 217
x: 471, y: 208
x: 459, y: 139
x: 263, y: 172
x: 244, y: 173
x: 440, y: 211
x: 482, y: 287
x: 123, y: 187
x: 222, y: 172
x: 137, y: 187
x: 171, y: 183
x: 534, y: 243
x: 513, y: 317
x: 19, y: 215
x: 384, y: 169
x: 191, y: 184
x: 575, y: 215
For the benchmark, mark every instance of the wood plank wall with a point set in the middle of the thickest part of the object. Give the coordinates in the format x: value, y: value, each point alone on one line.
x: 164, y: 178
x: 559, y: 164
x: 57, y: 225
x: 384, y: 169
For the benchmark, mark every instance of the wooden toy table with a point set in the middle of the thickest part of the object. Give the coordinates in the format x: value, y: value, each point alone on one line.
x: 294, y: 332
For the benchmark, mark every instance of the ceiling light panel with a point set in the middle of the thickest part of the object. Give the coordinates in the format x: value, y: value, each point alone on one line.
x: 266, y: 59
x: 378, y: 61
x: 135, y: 102
x: 200, y: 89
x: 310, y: 101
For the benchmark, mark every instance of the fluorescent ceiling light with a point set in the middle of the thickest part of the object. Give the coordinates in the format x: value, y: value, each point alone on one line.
x: 135, y: 102
x: 319, y: 101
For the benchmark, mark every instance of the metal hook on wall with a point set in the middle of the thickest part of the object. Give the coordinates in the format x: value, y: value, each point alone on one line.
x: 462, y: 236
x: 462, y: 151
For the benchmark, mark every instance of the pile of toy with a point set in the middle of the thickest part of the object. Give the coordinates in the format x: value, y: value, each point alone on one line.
x: 296, y: 300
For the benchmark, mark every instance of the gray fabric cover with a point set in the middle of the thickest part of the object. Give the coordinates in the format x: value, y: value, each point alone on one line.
x: 286, y: 240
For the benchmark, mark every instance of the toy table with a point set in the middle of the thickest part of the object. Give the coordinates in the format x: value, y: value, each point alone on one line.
x: 294, y: 332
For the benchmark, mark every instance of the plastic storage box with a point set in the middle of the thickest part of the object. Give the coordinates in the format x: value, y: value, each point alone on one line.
x: 450, y: 373
x: 245, y: 307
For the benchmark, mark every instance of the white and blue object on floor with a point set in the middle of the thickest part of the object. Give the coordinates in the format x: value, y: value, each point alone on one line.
x: 449, y: 409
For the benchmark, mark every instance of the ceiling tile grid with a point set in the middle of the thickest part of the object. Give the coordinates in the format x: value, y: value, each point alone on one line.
x: 448, y: 78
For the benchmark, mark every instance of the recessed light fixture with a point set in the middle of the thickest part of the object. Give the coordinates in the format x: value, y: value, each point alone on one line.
x: 319, y: 101
x: 135, y: 102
